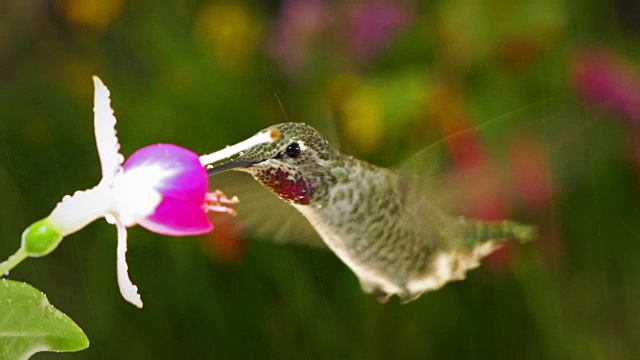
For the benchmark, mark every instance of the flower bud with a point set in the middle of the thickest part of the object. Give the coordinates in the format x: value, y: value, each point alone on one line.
x: 40, y: 238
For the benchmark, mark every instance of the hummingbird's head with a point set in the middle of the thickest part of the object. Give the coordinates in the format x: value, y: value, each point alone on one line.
x: 293, y: 167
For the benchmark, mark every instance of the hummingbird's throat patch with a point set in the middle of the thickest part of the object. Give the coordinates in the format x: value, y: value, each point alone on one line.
x: 287, y: 186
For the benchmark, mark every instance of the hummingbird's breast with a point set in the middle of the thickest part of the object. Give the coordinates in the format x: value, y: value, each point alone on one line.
x: 366, y: 222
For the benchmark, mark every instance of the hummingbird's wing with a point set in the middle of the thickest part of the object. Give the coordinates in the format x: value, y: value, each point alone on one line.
x: 506, y: 164
x: 263, y: 215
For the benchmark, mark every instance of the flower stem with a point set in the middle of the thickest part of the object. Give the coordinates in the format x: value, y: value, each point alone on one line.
x: 12, y: 261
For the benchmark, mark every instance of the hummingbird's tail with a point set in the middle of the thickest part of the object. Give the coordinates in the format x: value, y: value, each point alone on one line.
x: 479, y: 232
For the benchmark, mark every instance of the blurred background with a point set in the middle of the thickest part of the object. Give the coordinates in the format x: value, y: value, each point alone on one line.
x: 382, y: 79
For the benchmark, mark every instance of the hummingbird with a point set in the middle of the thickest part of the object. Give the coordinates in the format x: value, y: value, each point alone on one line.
x: 390, y: 227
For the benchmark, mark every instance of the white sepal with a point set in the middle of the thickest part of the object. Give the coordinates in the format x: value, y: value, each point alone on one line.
x: 104, y: 127
x: 83, y: 207
x: 127, y: 289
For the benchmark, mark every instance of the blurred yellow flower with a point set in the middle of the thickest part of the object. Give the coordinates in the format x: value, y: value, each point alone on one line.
x: 370, y: 109
x: 230, y: 31
x: 362, y: 119
x: 94, y: 13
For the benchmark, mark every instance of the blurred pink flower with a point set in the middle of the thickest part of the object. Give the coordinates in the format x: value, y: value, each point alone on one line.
x: 352, y: 30
x: 373, y: 24
x: 602, y: 79
x: 530, y: 172
x: 295, y: 29
x: 477, y: 177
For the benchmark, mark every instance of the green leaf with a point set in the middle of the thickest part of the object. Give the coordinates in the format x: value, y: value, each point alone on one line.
x: 29, y: 324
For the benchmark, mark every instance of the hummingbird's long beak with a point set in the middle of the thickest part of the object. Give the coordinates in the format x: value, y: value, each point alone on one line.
x: 229, y: 165
x: 264, y: 137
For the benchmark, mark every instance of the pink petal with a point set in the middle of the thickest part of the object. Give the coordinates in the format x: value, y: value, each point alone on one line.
x: 177, y: 217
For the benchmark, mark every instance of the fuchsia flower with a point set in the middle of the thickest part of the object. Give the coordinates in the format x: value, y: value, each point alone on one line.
x: 161, y: 187
x: 182, y: 183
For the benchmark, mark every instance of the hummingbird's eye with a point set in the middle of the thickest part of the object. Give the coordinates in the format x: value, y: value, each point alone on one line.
x: 293, y: 150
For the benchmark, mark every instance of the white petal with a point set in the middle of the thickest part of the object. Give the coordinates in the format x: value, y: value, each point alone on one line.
x: 127, y: 289
x: 104, y: 126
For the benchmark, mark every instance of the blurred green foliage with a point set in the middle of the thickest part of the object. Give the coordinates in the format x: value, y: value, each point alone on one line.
x: 383, y: 79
